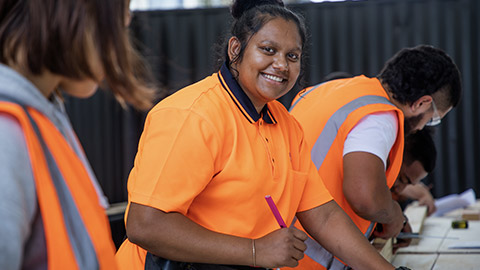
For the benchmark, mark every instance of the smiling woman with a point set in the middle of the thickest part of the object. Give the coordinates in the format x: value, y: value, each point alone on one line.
x: 211, y: 152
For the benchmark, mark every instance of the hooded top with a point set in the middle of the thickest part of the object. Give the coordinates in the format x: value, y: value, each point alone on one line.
x: 23, y: 240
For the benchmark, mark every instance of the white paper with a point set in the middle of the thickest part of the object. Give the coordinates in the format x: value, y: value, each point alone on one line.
x: 454, y: 201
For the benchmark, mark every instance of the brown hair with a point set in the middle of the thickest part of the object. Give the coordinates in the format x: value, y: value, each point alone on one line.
x: 53, y: 35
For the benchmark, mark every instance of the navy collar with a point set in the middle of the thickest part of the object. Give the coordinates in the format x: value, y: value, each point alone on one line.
x: 241, y: 99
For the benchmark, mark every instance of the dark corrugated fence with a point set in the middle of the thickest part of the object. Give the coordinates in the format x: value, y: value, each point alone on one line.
x: 357, y: 37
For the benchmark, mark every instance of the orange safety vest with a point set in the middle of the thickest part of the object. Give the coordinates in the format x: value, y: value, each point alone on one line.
x: 327, y: 113
x: 63, y: 189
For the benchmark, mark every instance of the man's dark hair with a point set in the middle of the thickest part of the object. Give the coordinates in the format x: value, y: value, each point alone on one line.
x: 422, y: 70
x: 420, y: 146
x: 336, y: 75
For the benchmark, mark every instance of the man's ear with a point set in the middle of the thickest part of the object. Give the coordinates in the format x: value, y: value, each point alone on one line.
x: 234, y: 47
x: 421, y: 105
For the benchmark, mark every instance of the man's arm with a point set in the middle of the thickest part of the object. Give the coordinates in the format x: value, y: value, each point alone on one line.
x: 336, y: 232
x: 365, y: 188
x: 421, y: 193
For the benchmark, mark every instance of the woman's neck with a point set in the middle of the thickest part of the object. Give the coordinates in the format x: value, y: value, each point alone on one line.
x: 46, y: 82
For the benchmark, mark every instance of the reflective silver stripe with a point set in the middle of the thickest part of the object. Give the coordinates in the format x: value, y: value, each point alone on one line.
x: 319, y: 254
x: 77, y: 233
x: 329, y: 132
x: 369, y: 229
x: 302, y: 95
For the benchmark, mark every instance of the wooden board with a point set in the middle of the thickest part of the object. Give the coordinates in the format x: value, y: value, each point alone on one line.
x: 416, y: 217
x: 415, y: 261
x: 384, y: 247
x: 431, y: 226
x: 456, y: 261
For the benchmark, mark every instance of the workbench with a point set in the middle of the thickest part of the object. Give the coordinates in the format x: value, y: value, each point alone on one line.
x: 436, y: 253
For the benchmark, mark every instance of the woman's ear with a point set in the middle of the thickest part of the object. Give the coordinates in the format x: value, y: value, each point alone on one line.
x: 234, y: 47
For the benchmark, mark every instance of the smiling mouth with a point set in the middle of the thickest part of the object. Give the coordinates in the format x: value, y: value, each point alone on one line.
x: 273, y: 78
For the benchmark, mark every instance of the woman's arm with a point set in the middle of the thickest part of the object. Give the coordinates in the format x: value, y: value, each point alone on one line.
x: 174, y: 236
x: 336, y: 232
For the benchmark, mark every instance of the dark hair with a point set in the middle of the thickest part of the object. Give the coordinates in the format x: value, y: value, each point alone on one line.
x: 420, y: 146
x: 251, y: 15
x: 422, y: 70
x: 336, y: 75
x: 55, y: 35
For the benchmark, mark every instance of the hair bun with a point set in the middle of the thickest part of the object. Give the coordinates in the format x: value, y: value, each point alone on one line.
x: 241, y: 6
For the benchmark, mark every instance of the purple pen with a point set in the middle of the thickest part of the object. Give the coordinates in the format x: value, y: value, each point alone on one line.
x: 275, y: 211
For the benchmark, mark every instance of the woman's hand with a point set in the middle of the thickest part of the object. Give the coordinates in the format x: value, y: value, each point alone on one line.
x: 283, y: 247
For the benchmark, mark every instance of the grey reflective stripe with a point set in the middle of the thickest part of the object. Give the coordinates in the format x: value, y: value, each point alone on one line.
x: 329, y: 132
x: 304, y: 94
x: 319, y: 254
x: 77, y: 233
x: 369, y: 229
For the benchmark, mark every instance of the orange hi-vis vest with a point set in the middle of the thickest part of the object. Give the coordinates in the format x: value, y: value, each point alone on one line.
x: 327, y: 113
x: 77, y: 232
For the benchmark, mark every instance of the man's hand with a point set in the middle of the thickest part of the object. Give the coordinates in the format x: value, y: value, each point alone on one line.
x: 392, y: 229
x: 403, y: 242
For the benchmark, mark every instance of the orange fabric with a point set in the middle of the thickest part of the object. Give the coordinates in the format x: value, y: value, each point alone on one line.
x: 306, y: 264
x: 313, y: 109
x: 59, y: 251
x: 203, y: 155
x: 131, y: 256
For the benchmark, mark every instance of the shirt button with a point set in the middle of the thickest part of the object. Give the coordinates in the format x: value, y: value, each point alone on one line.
x: 266, y: 139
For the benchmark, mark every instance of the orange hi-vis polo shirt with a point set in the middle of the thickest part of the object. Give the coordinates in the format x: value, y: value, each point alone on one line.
x: 206, y: 153
x: 327, y: 113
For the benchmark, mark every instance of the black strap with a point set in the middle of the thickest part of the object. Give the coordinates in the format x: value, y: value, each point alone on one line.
x: 153, y: 262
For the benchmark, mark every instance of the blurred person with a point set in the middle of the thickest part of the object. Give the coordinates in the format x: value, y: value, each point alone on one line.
x: 52, y: 209
x: 419, y: 160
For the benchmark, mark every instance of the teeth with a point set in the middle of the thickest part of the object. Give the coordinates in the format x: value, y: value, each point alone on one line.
x: 274, y: 78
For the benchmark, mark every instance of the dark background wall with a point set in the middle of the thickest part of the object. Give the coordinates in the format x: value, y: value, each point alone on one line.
x: 357, y: 37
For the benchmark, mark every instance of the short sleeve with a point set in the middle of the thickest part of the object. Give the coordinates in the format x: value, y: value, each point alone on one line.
x: 375, y: 133
x: 175, y: 160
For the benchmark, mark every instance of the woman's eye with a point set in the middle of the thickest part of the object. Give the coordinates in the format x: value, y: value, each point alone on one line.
x: 293, y: 56
x: 268, y: 49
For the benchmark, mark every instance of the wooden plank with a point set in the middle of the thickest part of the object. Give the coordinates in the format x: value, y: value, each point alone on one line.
x: 415, y: 261
x: 416, y: 217
x: 471, y: 214
x: 384, y: 247
x: 431, y: 226
x: 457, y: 261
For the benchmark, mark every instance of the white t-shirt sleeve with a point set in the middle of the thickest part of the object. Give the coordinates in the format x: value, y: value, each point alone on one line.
x: 375, y: 133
